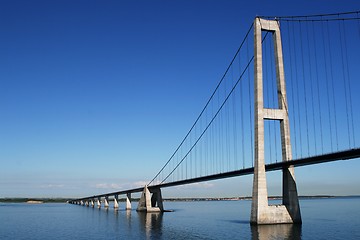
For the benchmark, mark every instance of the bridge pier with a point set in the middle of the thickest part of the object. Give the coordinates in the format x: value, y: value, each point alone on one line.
x: 92, y: 203
x: 98, y: 203
x: 261, y: 212
x: 128, y: 201
x: 116, y: 204
x: 148, y: 203
x: 106, y: 202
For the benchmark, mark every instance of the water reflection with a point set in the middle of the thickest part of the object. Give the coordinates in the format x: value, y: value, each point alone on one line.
x: 276, y: 231
x: 128, y: 215
x: 128, y: 219
x: 151, y: 224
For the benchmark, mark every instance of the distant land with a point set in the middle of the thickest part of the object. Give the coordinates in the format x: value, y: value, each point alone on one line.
x: 34, y: 200
x: 64, y: 200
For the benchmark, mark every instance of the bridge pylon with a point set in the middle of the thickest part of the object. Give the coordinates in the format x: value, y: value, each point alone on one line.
x: 261, y: 211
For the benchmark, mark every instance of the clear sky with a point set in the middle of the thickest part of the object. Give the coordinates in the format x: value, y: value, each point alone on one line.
x: 96, y: 95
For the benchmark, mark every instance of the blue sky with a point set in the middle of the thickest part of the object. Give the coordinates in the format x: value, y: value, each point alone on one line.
x: 96, y: 95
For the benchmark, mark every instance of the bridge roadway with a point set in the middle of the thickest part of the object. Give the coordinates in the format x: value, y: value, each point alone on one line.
x: 330, y: 157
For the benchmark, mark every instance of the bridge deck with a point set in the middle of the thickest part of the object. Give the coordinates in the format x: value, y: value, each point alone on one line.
x: 330, y: 157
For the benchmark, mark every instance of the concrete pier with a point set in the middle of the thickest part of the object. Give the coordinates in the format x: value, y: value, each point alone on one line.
x: 98, y: 203
x: 92, y: 203
x: 128, y: 201
x: 148, y: 203
x: 106, y: 202
x: 261, y: 212
x: 116, y: 204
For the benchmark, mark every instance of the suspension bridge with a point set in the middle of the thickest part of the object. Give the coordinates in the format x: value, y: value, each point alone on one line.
x: 287, y: 99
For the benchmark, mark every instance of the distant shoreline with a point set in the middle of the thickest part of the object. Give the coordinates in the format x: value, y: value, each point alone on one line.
x: 64, y: 200
x: 34, y: 202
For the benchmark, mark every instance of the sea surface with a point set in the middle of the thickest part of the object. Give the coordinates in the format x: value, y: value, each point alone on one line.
x: 334, y: 218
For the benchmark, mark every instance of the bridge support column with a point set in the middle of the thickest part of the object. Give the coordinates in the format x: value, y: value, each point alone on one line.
x: 148, y: 203
x: 92, y: 202
x: 87, y: 203
x: 128, y: 201
x: 116, y: 204
x: 261, y: 212
x: 106, y: 202
x: 82, y: 203
x: 98, y: 203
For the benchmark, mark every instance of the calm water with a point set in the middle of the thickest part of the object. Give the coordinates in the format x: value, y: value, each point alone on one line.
x: 322, y: 219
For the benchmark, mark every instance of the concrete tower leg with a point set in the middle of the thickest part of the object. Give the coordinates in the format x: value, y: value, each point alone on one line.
x: 261, y: 212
